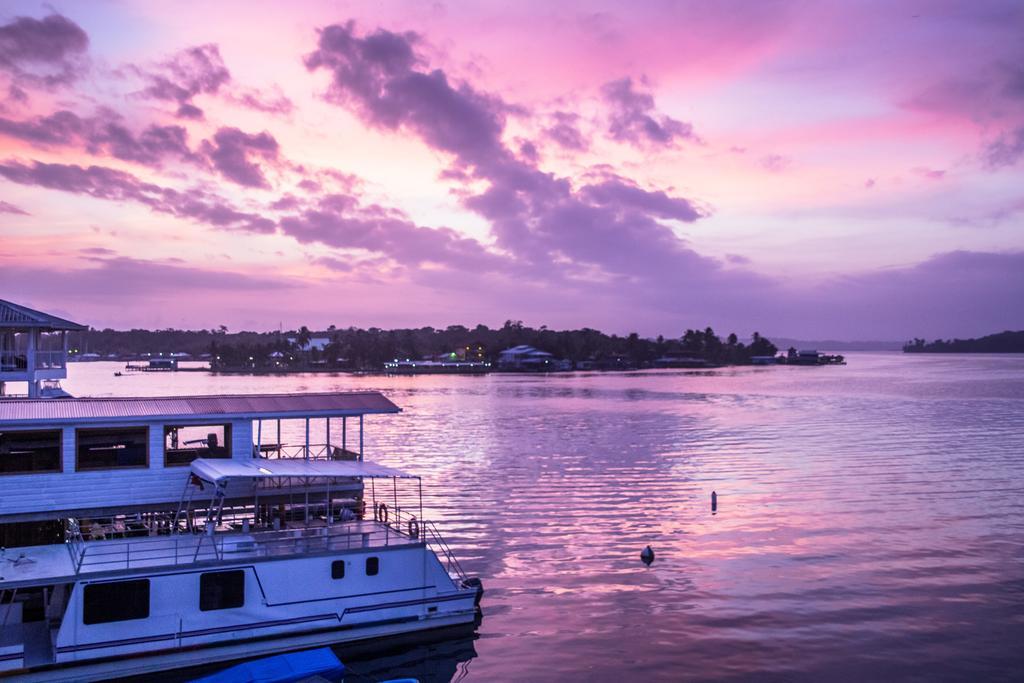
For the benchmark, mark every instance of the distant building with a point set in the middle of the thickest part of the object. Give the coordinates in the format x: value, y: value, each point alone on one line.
x: 525, y: 357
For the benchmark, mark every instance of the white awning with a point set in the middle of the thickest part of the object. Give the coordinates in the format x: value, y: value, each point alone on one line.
x: 218, y: 470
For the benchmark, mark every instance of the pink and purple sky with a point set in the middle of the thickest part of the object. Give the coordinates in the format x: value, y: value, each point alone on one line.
x: 832, y: 169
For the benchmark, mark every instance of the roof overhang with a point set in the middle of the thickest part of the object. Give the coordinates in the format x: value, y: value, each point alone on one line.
x: 13, y: 316
x: 193, y: 409
x: 218, y: 471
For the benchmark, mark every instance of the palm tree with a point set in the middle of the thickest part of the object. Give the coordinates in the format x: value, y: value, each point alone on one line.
x: 303, y: 337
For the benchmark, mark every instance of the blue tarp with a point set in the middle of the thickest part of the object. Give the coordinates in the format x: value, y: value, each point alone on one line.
x: 285, y: 668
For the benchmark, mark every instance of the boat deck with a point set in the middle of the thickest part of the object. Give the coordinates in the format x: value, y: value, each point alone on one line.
x: 67, y: 562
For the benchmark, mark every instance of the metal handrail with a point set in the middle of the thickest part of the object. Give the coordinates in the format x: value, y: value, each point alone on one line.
x: 442, y: 546
x: 315, y: 451
x: 16, y: 361
x: 189, y: 548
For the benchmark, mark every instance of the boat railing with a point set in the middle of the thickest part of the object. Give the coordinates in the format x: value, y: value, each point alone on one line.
x: 320, y: 451
x: 16, y: 361
x: 405, y: 522
x: 186, y: 548
x: 436, y: 541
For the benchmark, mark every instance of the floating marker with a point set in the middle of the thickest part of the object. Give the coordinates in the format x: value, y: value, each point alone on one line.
x: 714, y: 501
x: 647, y: 556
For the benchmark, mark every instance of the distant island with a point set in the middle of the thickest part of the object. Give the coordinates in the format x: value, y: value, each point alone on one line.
x: 455, y: 348
x: 1003, y: 342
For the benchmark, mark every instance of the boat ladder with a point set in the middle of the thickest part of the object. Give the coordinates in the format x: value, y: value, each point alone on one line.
x: 436, y: 540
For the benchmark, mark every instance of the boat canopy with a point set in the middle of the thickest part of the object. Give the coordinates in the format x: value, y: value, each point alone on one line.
x: 217, y: 470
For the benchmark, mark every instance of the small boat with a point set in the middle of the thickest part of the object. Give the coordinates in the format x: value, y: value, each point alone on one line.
x: 286, y: 668
x: 118, y: 374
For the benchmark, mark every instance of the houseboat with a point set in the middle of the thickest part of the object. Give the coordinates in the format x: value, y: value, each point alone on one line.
x: 144, y: 534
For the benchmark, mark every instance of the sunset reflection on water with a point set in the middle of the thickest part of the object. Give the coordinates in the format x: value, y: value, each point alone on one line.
x: 868, y: 525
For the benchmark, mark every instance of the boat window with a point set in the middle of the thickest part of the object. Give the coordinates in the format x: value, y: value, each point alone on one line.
x: 23, y: 452
x: 372, y: 566
x: 103, y: 603
x: 338, y: 569
x: 185, y: 443
x: 222, y: 590
x: 104, y: 449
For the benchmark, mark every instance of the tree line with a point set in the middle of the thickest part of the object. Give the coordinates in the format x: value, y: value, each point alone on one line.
x: 356, y: 348
x: 1003, y: 342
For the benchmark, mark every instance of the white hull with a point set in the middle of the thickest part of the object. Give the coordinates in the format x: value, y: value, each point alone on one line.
x: 165, y: 661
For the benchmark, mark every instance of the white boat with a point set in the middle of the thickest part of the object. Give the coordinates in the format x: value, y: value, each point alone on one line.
x: 144, y: 534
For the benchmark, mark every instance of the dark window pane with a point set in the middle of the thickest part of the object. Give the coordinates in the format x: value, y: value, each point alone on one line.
x: 221, y: 590
x: 338, y: 569
x: 117, y: 601
x: 22, y: 452
x: 372, y: 566
x: 101, y: 449
x: 185, y: 443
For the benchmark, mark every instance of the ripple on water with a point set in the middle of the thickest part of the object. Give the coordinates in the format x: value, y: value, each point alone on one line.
x: 869, y: 524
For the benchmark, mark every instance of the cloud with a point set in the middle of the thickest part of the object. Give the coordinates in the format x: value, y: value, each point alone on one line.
x: 952, y: 293
x: 60, y: 128
x: 775, y: 163
x: 606, y: 231
x: 115, y: 185
x: 105, y: 278
x: 340, y: 221
x: 634, y: 119
x: 191, y: 72
x: 232, y: 152
x: 929, y: 173
x: 5, y: 207
x: 1006, y: 150
x: 564, y: 131
x: 376, y: 75
x: 622, y: 194
x: 105, y: 133
x: 269, y: 103
x: 48, y: 51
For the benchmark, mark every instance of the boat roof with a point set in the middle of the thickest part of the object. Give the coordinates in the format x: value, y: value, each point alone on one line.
x: 27, y: 412
x: 21, y: 317
x: 222, y: 470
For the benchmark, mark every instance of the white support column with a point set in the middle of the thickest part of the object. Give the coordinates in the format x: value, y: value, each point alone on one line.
x: 307, y: 438
x: 30, y: 358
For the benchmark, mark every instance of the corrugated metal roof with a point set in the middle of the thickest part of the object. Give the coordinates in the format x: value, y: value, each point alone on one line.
x: 13, y: 315
x: 241, y: 405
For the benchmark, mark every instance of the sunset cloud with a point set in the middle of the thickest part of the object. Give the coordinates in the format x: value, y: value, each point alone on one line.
x: 634, y: 119
x: 47, y: 51
x: 648, y: 168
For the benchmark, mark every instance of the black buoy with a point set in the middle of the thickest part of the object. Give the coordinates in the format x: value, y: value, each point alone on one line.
x: 714, y: 501
x: 647, y: 555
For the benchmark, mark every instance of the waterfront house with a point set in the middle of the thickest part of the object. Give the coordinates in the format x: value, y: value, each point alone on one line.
x: 527, y: 358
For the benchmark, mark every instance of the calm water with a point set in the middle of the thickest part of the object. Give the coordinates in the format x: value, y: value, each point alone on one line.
x: 869, y: 526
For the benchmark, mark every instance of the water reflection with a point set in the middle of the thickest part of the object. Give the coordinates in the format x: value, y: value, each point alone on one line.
x: 868, y: 525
